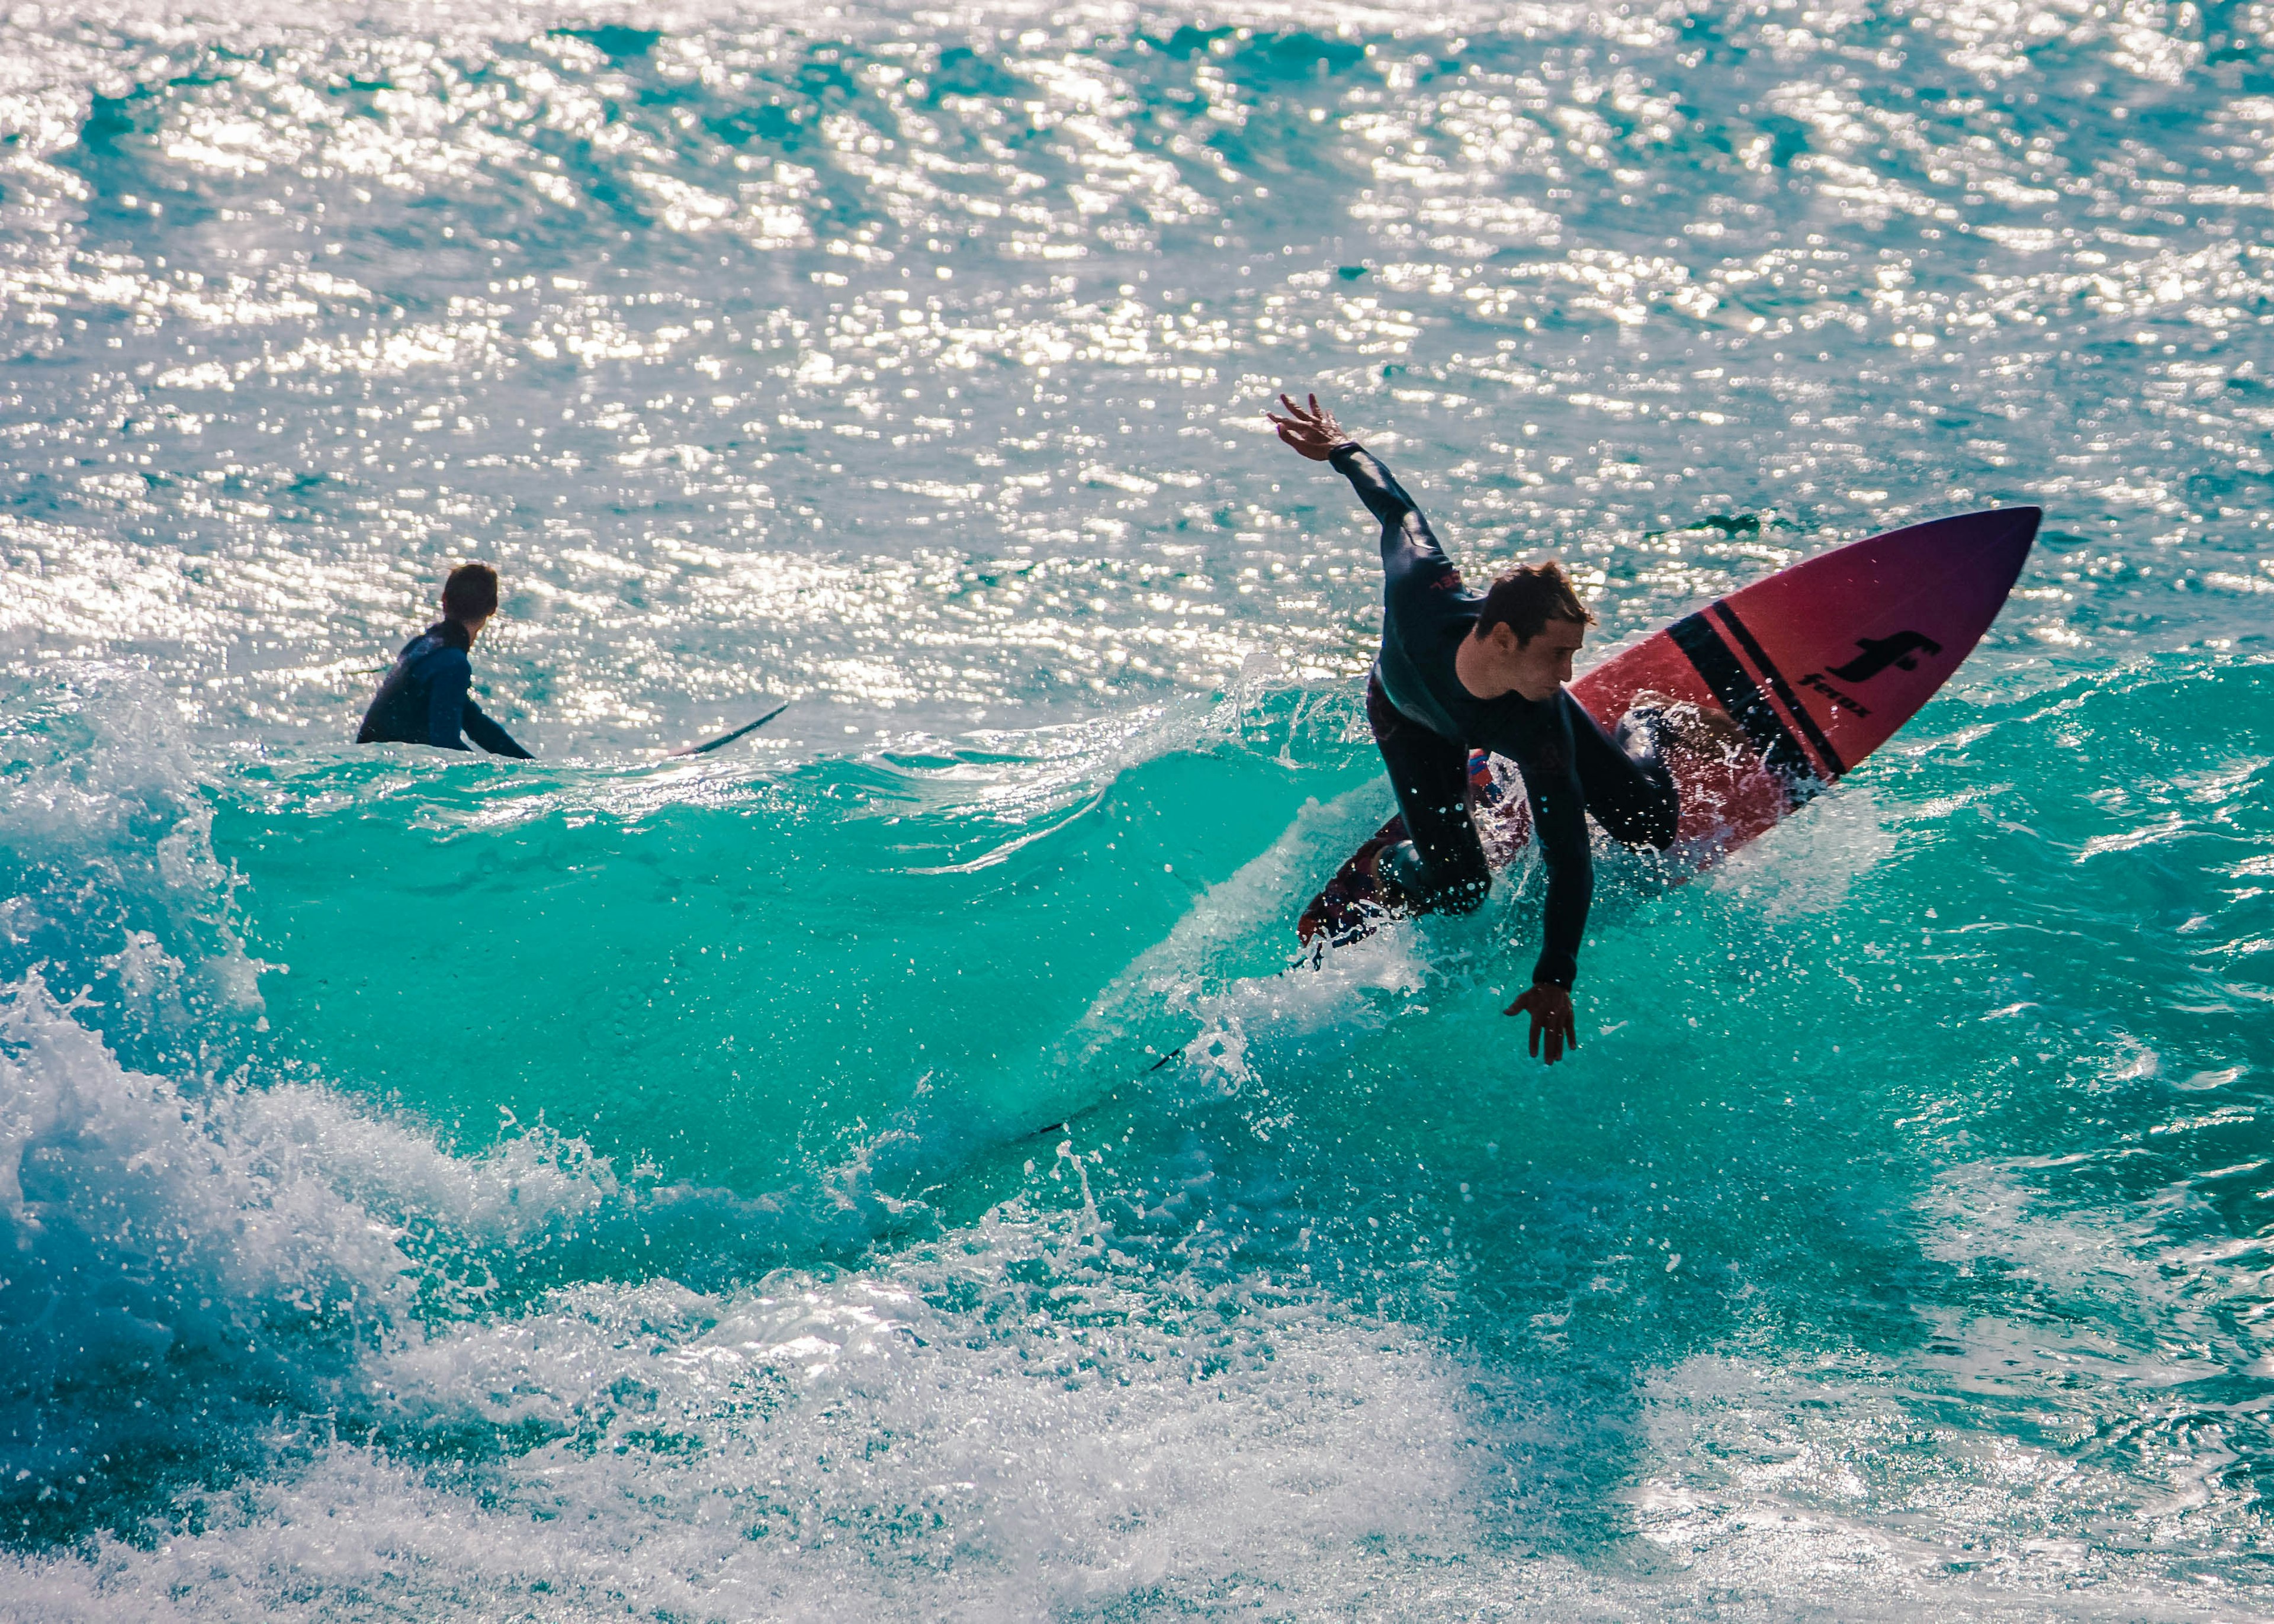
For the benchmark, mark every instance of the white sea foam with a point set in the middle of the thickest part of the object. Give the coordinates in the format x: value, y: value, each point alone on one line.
x: 938, y: 1439
x: 936, y: 1431
x: 1015, y: 1419
x: 175, y: 1263
x: 1230, y: 988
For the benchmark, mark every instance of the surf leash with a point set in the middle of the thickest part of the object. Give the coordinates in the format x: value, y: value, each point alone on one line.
x: 1065, y: 1122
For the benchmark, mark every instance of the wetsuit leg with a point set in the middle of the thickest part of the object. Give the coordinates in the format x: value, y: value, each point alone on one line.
x: 1430, y: 774
x: 1628, y: 787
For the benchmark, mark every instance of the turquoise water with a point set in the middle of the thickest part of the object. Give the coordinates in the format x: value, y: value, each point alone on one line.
x: 755, y: 1187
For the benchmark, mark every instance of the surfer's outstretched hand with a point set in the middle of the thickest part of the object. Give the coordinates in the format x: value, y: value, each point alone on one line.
x: 1550, y: 1009
x: 1311, y: 429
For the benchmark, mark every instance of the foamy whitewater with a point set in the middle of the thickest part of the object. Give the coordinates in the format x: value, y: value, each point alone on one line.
x: 888, y: 1169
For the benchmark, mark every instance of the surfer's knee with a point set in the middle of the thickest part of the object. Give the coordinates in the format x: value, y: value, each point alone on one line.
x: 1649, y: 821
x: 1461, y: 886
x: 1438, y: 887
x: 1648, y: 733
x: 1661, y: 817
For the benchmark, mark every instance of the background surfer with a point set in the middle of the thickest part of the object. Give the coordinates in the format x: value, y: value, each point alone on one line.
x: 1460, y: 669
x: 422, y: 698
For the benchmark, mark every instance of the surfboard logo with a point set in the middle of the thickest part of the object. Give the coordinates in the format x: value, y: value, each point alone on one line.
x: 1898, y: 649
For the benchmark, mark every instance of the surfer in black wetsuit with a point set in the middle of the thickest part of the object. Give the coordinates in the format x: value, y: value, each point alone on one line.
x: 1460, y: 668
x: 423, y: 699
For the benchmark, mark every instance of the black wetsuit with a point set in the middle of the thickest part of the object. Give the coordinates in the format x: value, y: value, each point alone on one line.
x: 424, y: 698
x: 1426, y: 722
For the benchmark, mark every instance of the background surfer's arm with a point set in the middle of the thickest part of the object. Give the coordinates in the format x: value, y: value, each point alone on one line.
x: 1559, y: 822
x: 446, y: 699
x: 1408, y: 545
x: 489, y: 735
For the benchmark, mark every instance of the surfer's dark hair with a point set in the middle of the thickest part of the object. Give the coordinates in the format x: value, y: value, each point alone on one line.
x: 1527, y: 598
x: 471, y: 593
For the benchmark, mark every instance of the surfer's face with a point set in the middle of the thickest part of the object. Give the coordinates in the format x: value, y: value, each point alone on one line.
x: 1536, y: 668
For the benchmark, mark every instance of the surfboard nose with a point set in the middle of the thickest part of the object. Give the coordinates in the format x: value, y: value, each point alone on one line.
x: 1977, y: 555
x: 2011, y: 531
x: 2021, y: 523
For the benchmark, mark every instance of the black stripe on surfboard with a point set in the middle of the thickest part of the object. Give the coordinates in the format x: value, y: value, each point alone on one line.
x: 1767, y: 668
x: 1741, y: 697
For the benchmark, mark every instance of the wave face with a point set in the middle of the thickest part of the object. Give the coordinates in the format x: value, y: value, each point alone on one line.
x: 889, y: 1168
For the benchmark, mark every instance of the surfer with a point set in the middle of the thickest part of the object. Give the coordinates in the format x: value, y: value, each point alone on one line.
x: 1460, y: 668
x: 423, y: 699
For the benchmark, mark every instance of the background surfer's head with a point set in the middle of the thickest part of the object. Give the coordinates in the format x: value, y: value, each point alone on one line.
x: 1531, y: 624
x: 469, y: 596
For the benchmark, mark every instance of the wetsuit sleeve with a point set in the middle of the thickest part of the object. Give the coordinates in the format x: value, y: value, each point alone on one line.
x: 447, y: 677
x: 489, y: 735
x: 1410, y: 552
x: 1559, y: 824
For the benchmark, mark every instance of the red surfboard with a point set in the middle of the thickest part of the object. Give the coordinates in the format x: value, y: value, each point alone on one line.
x: 1818, y: 665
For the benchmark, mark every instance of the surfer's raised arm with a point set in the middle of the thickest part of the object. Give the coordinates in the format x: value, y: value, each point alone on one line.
x: 1410, y: 555
x: 1459, y: 669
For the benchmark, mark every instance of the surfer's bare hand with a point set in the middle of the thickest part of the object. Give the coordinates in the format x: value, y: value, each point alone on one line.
x: 1550, y: 1009
x: 1310, y: 430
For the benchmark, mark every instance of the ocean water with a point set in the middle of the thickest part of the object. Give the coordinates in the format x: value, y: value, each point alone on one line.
x: 888, y: 1169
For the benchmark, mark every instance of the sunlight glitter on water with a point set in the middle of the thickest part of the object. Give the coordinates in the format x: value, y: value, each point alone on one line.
x: 899, y: 337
